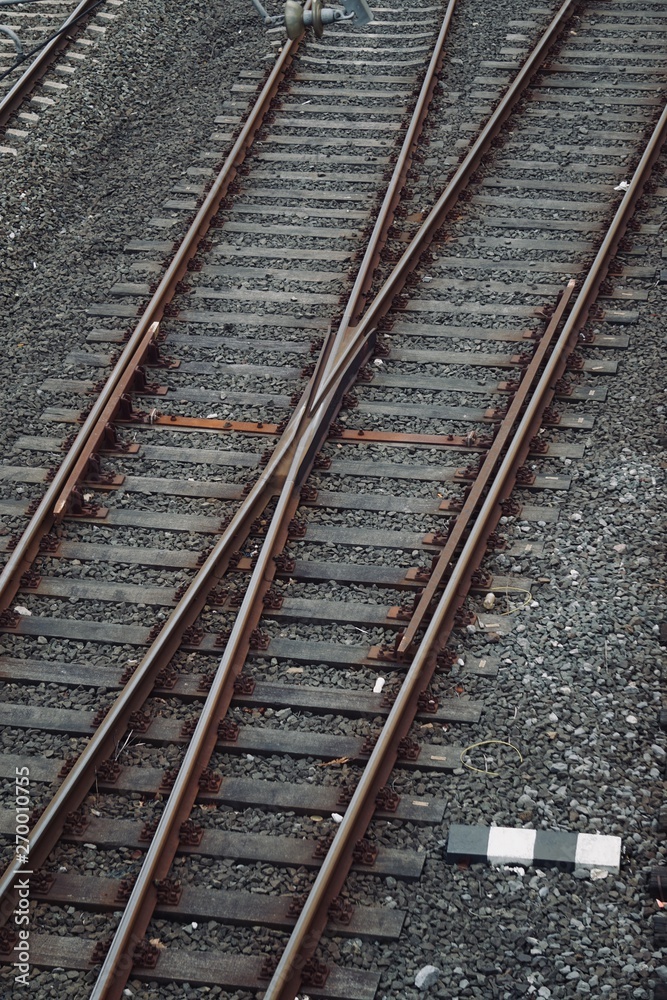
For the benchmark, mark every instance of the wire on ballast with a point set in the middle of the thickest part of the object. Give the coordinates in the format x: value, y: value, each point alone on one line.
x: 516, y: 590
x: 484, y: 743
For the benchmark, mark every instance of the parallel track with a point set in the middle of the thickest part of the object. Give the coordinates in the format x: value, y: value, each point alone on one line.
x: 410, y: 412
x: 44, y: 33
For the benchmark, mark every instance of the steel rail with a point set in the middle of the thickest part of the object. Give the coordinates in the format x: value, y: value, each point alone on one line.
x: 106, y: 738
x: 334, y: 343
x: 71, y: 793
x: 298, y: 445
x: 273, y: 467
x: 325, y: 386
x: 292, y: 479
x: 295, y: 457
x: 292, y: 459
x: 101, y: 415
x: 576, y: 321
x: 81, y: 450
x: 226, y: 671
x: 331, y: 876
x: 164, y: 845
x: 39, y: 66
x: 76, y: 460
x: 392, y: 286
x: 44, y: 518
x: 399, y: 175
x: 491, y: 459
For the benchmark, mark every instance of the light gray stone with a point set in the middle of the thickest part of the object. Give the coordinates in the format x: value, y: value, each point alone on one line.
x: 427, y: 977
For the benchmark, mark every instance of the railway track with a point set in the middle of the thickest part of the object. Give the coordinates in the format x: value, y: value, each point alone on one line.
x: 32, y: 38
x: 283, y: 495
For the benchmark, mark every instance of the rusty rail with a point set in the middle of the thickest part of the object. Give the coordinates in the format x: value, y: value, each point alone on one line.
x: 309, y: 927
x: 83, y: 447
x: 298, y: 446
x: 484, y: 476
x: 356, y: 338
x: 392, y: 196
x: 336, y: 342
x: 292, y: 460
x: 554, y: 368
x: 107, y: 737
x: 69, y: 796
x: 39, y: 66
x: 284, y: 474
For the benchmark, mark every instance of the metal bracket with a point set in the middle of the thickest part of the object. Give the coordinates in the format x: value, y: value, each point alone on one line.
x: 360, y: 10
x: 296, y: 19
